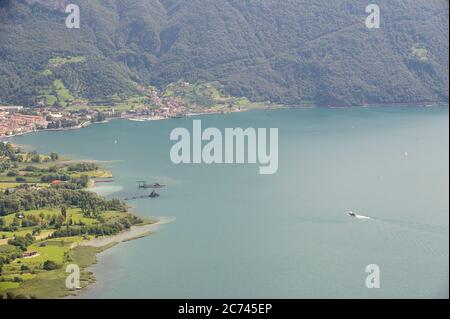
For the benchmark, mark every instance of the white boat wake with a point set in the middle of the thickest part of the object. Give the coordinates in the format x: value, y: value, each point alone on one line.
x: 355, y: 215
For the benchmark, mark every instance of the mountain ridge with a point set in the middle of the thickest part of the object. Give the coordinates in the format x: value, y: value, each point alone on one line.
x: 290, y: 52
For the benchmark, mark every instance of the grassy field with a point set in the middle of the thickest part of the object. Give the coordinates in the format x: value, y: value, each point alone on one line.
x: 7, y: 185
x: 62, y: 93
x: 59, y: 61
x: 26, y: 276
x: 94, y: 174
x: 29, y: 270
x: 51, y: 284
x: 56, y: 93
x: 5, y: 235
x: 8, y: 285
x: 73, y: 214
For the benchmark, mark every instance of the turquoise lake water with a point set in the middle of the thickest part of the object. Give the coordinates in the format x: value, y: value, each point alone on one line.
x: 238, y: 234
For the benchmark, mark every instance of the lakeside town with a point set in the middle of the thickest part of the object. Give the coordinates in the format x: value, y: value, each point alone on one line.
x: 19, y: 120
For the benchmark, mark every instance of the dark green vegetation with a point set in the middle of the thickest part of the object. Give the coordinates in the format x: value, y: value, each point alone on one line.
x: 290, y: 51
x: 54, y: 196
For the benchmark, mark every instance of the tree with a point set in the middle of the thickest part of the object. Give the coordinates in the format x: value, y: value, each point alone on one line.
x: 24, y: 268
x: 59, y: 221
x: 83, y: 181
x: 16, y: 222
x: 100, y: 117
x: 37, y: 231
x: 50, y: 265
x: 54, y: 156
x: 22, y: 242
x: 36, y: 158
x: 64, y: 211
x: 12, y: 174
x: 21, y: 179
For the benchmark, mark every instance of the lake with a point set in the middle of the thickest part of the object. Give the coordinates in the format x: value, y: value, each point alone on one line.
x: 238, y: 234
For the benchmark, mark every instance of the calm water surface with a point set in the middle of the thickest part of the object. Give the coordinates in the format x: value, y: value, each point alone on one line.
x: 240, y: 234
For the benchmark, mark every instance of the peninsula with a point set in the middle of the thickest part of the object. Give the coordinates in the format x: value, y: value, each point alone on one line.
x: 48, y: 219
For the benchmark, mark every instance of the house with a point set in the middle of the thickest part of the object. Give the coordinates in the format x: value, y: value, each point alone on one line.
x: 29, y: 254
x: 10, y: 108
x: 56, y: 182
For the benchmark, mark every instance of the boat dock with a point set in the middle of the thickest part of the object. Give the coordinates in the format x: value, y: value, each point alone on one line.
x: 145, y: 185
x: 151, y: 195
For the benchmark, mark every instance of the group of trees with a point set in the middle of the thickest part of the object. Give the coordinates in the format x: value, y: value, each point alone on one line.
x: 102, y: 229
x: 8, y: 253
x: 11, y: 156
x: 64, y: 123
x: 10, y: 295
x: 28, y: 199
x: 8, y: 151
x: 82, y: 167
x: 48, y: 178
x: 21, y: 242
x: 52, y: 173
x: 50, y: 265
x: 39, y: 222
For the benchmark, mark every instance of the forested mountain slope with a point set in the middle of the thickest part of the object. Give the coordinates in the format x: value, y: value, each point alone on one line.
x: 288, y: 51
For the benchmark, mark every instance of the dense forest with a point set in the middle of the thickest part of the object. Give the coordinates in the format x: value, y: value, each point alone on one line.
x: 285, y: 51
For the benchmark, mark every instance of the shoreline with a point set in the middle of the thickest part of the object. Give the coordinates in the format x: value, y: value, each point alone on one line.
x: 83, y: 253
x: 71, y: 128
x: 266, y: 107
x: 98, y: 245
x: 135, y: 232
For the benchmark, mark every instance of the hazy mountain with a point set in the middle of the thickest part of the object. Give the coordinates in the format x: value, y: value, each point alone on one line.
x: 290, y: 51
